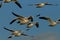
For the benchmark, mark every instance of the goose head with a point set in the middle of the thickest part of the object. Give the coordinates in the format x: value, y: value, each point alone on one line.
x: 30, y: 18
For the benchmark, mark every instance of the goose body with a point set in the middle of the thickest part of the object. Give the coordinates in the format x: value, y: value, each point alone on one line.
x: 40, y: 5
x: 24, y: 21
x: 16, y: 33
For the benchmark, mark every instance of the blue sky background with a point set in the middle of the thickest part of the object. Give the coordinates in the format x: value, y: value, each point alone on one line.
x: 51, y: 11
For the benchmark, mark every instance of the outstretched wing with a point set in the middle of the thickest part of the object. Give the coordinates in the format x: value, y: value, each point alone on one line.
x: 46, y: 18
x: 13, y: 21
x: 16, y: 2
x: 17, y: 15
x: 8, y: 29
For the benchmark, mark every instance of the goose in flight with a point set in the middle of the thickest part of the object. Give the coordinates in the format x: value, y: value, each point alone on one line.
x: 52, y: 23
x: 42, y: 4
x: 16, y: 33
x: 21, y: 19
x: 15, y: 1
x: 31, y: 24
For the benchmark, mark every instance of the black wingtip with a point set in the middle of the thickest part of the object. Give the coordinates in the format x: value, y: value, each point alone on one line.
x: 24, y: 34
x: 4, y: 27
x: 8, y: 29
x: 0, y: 6
x: 18, y: 22
x: 59, y: 20
x: 18, y: 4
x: 15, y: 14
x: 12, y: 21
x: 43, y: 18
x: 9, y: 37
x: 52, y: 4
